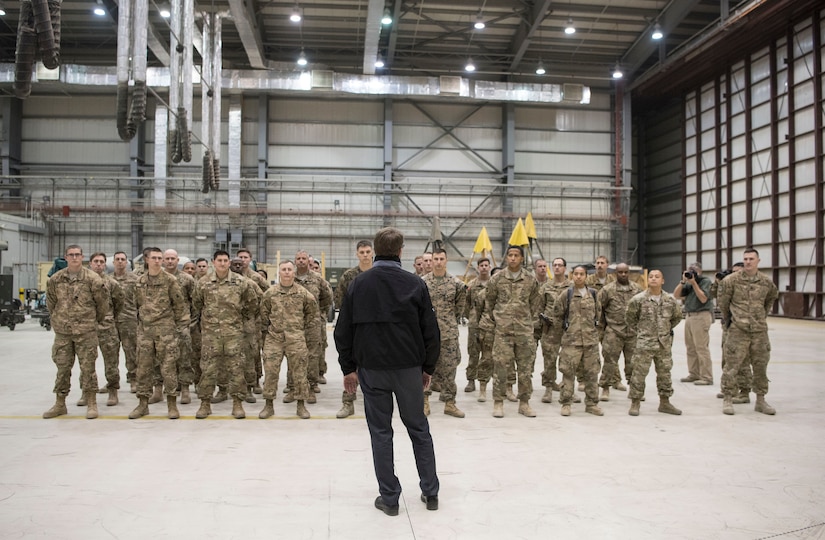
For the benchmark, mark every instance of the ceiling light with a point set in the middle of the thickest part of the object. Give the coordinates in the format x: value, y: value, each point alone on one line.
x: 540, y: 69
x: 470, y: 66
x: 295, y: 16
x: 479, y: 24
x: 617, y: 71
x: 569, y: 29
x: 302, y: 59
x: 2, y: 10
x: 165, y: 13
x: 379, y: 62
x: 657, y: 32
x: 99, y: 11
x: 387, y: 18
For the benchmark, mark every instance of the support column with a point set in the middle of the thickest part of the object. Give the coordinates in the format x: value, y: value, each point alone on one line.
x: 234, y: 144
x: 388, y: 121
x: 263, y: 165
x: 161, y: 154
x: 508, y: 169
x: 137, y: 161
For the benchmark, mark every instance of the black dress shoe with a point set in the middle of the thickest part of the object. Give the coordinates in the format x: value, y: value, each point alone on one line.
x: 387, y: 509
x: 431, y: 501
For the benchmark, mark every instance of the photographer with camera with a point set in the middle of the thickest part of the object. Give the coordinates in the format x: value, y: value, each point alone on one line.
x: 694, y: 290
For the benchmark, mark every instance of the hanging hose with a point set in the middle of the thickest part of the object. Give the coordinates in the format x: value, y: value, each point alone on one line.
x: 24, y: 55
x: 123, y: 112
x: 184, y: 136
x: 208, y: 171
x: 49, y: 52
x: 216, y: 175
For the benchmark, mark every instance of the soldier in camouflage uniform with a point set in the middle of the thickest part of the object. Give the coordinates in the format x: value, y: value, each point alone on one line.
x: 252, y: 335
x: 77, y: 301
x: 163, y: 316
x: 314, y: 283
x: 418, y: 264
x: 107, y: 337
x: 426, y: 263
x: 577, y: 312
x: 315, y: 266
x: 654, y: 314
x: 744, y: 379
x: 486, y: 338
x: 190, y: 268
x: 617, y: 337
x: 202, y: 268
x: 364, y: 252
x: 186, y: 375
x: 550, y: 333
x: 287, y: 310
x: 448, y: 296
x: 126, y: 321
x: 476, y: 293
x: 223, y: 302
x: 600, y: 278
x: 745, y: 299
x: 255, y: 348
x: 513, y: 302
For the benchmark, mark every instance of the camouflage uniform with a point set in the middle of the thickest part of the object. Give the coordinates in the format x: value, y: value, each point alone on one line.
x: 550, y: 333
x: 579, y: 344
x: 107, y: 338
x: 251, y: 341
x: 287, y: 312
x: 745, y: 302
x: 514, y: 304
x: 617, y: 338
x: 222, y: 306
x: 315, y: 284
x: 486, y: 339
x: 76, y: 305
x: 654, y: 321
x: 744, y: 378
x: 163, y: 314
x: 126, y: 323
x: 594, y: 282
x: 448, y: 296
x: 186, y: 373
x: 195, y: 340
x: 255, y: 349
x: 340, y: 294
x: 476, y: 294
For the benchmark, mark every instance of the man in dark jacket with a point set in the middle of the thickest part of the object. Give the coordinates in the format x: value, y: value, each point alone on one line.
x: 388, y: 340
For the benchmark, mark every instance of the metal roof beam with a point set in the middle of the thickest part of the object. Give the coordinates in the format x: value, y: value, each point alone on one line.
x: 526, y: 30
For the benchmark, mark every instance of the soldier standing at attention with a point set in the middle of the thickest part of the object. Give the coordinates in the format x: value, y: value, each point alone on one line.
x: 251, y: 340
x: 126, y: 321
x: 426, y: 263
x: 418, y: 264
x: 745, y: 299
x: 578, y: 312
x: 364, y: 252
x: 476, y: 293
x: 513, y: 302
x: 600, y: 278
x: 202, y: 266
x: 744, y: 379
x: 246, y: 256
x: 315, y: 266
x: 551, y: 333
x: 190, y: 268
x: 448, y: 296
x: 287, y: 311
x: 163, y: 315
x: 107, y: 337
x: 77, y: 302
x: 654, y: 314
x: 223, y: 302
x: 617, y: 337
x: 186, y: 374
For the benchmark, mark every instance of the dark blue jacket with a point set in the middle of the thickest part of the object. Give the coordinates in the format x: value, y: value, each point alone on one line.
x: 387, y: 322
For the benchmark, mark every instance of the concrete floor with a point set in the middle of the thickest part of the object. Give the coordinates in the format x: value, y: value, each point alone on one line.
x: 701, y: 475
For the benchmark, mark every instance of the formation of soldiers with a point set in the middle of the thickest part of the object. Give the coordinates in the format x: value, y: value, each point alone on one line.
x: 223, y: 327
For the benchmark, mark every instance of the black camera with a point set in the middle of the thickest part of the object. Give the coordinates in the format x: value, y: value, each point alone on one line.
x: 690, y: 274
x: 723, y: 274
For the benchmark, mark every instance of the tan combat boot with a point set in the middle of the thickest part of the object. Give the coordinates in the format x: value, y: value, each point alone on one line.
x: 482, y: 391
x: 82, y: 401
x: 258, y: 390
x: 103, y: 390
x: 204, y: 410
x: 289, y: 397
x: 620, y: 387
x: 91, y: 405
x: 548, y: 395
x: 471, y: 386
x: 594, y: 410
x: 112, y: 401
x: 605, y: 394
x: 133, y: 387
x: 185, y: 396
x: 141, y: 410
x: 267, y: 411
x: 301, y: 410
x: 172, y: 407
x: 250, y: 395
x: 743, y: 397
x: 665, y: 406
x: 498, y: 409
x: 635, y: 405
x: 157, y: 395
x: 237, y: 408
x: 426, y: 405
x: 312, y: 398
x: 727, y: 405
x: 510, y: 395
x: 565, y: 410
x: 220, y: 395
x: 524, y: 408
x: 347, y: 409
x: 58, y: 409
x: 762, y: 406
x: 450, y: 409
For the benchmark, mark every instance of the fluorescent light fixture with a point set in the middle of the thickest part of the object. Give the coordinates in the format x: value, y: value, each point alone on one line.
x: 470, y: 66
x: 387, y: 18
x: 540, y: 69
x: 569, y: 29
x: 657, y: 32
x: 302, y: 59
x: 479, y: 24
x: 295, y: 16
x: 617, y: 71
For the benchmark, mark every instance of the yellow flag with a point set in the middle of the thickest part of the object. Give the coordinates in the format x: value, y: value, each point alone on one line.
x: 483, y: 242
x: 519, y: 236
x: 530, y: 226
